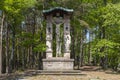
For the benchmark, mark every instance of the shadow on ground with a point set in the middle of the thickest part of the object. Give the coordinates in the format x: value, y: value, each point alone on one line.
x: 16, y: 76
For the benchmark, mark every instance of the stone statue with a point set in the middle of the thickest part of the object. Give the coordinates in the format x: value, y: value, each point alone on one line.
x: 67, y: 42
x: 48, y: 45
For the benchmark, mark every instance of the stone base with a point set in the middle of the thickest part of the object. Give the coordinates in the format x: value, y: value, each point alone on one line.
x: 58, y: 64
x: 67, y: 55
x: 49, y: 54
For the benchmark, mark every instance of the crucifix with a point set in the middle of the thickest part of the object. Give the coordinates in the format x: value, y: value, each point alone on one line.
x: 58, y: 20
x: 60, y: 17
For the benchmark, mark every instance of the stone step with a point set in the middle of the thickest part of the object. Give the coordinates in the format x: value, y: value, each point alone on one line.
x: 61, y: 74
x: 57, y: 72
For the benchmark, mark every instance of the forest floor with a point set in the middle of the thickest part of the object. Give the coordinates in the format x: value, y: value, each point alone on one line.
x: 89, y: 74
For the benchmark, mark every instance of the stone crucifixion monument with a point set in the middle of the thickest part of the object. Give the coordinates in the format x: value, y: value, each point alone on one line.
x: 58, y: 16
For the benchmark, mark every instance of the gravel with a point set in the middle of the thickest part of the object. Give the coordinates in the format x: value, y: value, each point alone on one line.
x: 90, y: 75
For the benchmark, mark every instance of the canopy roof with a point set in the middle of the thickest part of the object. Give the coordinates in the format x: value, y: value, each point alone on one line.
x: 60, y: 10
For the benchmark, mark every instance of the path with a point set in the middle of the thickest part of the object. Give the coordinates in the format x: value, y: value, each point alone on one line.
x: 90, y: 75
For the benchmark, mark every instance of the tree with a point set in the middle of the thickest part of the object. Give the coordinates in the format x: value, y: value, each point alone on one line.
x: 1, y: 32
x: 12, y: 10
x: 104, y: 24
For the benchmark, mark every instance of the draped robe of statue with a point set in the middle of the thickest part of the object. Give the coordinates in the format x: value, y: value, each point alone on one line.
x: 67, y: 43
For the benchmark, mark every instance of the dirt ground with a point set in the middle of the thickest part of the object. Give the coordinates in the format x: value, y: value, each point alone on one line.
x: 89, y: 75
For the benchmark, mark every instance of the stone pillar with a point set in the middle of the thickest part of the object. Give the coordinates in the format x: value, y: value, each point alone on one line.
x: 67, y: 37
x: 49, y: 37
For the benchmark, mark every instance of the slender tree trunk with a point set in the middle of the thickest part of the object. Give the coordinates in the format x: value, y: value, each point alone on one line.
x: 89, y: 54
x: 31, y: 57
x: 40, y: 60
x: 85, y: 52
x: 28, y: 58
x: 82, y: 55
x: 1, y: 29
x: 17, y: 50
x: 7, y: 47
x: 23, y: 59
x: 33, y: 33
x: 81, y: 50
x: 11, y: 64
x: 77, y: 50
x: 73, y: 40
x: 40, y: 53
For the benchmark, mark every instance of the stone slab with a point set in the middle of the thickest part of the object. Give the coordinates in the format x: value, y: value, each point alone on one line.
x: 58, y: 64
x: 61, y: 74
x: 56, y: 72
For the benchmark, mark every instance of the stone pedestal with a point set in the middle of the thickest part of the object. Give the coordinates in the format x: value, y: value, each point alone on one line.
x: 67, y: 55
x: 48, y: 54
x: 58, y: 64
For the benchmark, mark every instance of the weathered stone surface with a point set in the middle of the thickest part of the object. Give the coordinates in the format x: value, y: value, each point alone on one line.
x: 58, y: 64
x: 49, y: 55
x: 56, y: 17
x: 67, y: 55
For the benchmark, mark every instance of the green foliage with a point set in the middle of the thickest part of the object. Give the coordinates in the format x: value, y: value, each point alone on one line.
x: 107, y: 48
x: 30, y: 40
x: 40, y: 47
x: 14, y: 9
x: 112, y: 15
x: 107, y: 45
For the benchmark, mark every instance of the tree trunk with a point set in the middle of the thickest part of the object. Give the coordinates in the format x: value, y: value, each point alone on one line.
x: 89, y: 54
x: 1, y: 29
x: 72, y: 45
x: 7, y: 47
x: 23, y: 59
x: 18, y: 56
x: 81, y: 49
x: 11, y: 64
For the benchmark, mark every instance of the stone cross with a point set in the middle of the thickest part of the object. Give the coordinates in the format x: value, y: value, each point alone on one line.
x: 60, y: 17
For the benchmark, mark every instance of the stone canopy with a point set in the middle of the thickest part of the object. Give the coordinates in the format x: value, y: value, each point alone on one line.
x: 55, y: 10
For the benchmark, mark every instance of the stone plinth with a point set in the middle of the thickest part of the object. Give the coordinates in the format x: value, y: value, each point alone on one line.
x: 67, y: 55
x: 58, y: 64
x: 48, y: 54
